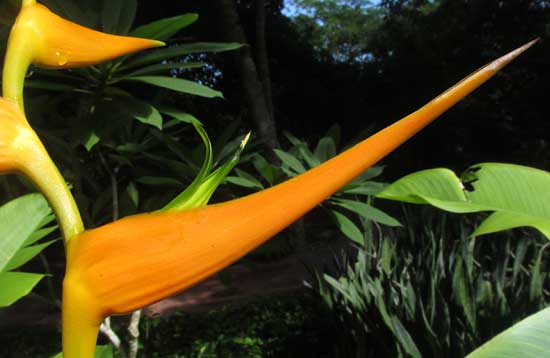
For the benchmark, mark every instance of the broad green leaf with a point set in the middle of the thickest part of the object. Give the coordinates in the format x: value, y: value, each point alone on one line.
x: 19, y: 218
x: 367, y: 211
x: 348, y: 228
x: 165, y: 28
x: 15, y: 285
x: 518, y: 195
x: 528, y: 338
x: 439, y: 185
x: 117, y: 16
x: 26, y: 254
x: 290, y: 161
x: 177, y: 84
x: 156, y: 56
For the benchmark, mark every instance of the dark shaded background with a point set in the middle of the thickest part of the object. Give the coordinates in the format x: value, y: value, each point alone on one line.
x: 413, y: 56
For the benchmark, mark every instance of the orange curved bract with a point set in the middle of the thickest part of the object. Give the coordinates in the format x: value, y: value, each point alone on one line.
x: 64, y: 44
x: 138, y: 260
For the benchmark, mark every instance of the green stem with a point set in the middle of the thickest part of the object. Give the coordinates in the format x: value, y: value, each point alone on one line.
x: 17, y: 61
x: 44, y: 173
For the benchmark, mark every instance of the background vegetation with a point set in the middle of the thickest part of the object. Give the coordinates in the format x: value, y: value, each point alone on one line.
x: 312, y: 77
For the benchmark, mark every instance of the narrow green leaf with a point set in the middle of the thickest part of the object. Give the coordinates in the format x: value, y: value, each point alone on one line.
x: 26, y: 254
x: 404, y: 338
x: 245, y: 182
x: 348, y: 228
x: 290, y: 161
x: 49, y: 85
x: 266, y: 170
x: 163, y: 67
x: 117, y: 16
x: 19, y: 218
x: 325, y: 149
x: 165, y: 28
x: 536, y: 283
x: 133, y: 193
x: 198, y: 195
x: 367, y: 211
x: 39, y: 234
x: 156, y: 56
x: 177, y: 84
x: 367, y: 188
x: 462, y: 292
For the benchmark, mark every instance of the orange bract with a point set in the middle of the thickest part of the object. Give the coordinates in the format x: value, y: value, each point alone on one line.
x: 64, y: 44
x: 42, y: 38
x: 141, y: 259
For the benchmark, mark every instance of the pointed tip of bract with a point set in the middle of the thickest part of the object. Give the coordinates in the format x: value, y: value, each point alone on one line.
x: 502, y: 61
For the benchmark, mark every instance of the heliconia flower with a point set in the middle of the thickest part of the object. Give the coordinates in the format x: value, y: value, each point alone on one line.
x: 42, y: 38
x: 138, y: 260
x: 22, y: 151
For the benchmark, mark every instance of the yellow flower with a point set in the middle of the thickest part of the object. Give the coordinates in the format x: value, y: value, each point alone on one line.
x: 42, y: 38
x: 138, y: 260
x: 22, y: 151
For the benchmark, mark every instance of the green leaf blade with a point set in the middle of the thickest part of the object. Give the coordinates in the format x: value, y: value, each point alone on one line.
x: 178, y: 85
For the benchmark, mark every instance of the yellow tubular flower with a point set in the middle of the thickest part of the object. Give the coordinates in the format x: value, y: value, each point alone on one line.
x: 22, y: 151
x: 42, y: 38
x: 141, y: 259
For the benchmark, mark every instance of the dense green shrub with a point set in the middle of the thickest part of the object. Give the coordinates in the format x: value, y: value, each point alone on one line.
x: 431, y: 290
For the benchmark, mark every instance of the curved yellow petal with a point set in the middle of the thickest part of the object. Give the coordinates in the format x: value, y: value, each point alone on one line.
x: 42, y: 38
x: 138, y: 260
x: 22, y: 151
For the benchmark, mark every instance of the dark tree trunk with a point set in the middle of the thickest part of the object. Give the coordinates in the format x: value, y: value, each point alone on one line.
x: 260, y: 52
x: 255, y: 96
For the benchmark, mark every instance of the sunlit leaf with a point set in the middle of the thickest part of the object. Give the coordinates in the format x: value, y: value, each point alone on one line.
x: 518, y: 195
x: 19, y: 218
x: 15, y: 285
x: 528, y: 338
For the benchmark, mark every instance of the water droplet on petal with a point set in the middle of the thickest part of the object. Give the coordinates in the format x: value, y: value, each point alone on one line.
x: 61, y: 59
